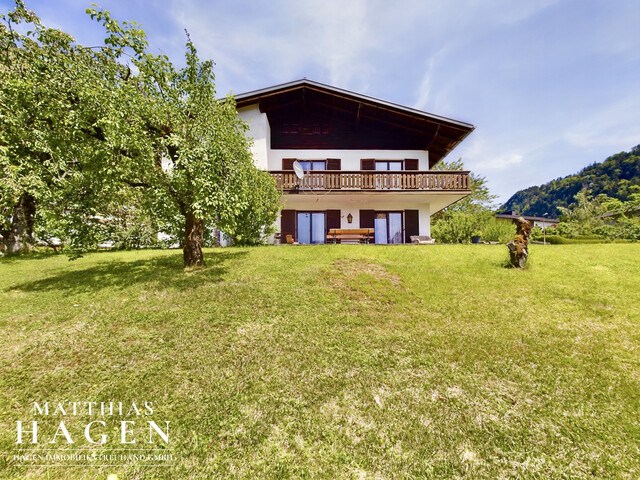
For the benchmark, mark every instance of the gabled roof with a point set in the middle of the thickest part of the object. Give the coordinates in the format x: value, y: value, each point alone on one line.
x: 437, y: 134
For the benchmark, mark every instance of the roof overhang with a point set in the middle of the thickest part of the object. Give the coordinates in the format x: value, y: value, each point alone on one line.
x: 439, y: 135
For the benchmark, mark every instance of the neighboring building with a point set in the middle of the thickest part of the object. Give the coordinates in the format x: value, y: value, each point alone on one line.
x: 368, y: 162
x: 542, y: 222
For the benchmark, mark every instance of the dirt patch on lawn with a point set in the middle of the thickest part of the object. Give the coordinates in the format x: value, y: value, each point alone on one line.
x: 344, y: 270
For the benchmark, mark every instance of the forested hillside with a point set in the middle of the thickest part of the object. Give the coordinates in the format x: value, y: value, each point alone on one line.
x: 615, y: 177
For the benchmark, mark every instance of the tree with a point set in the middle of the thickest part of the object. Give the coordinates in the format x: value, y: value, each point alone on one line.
x: 32, y: 116
x: 179, y: 142
x: 469, y: 215
x: 480, y: 200
x: 604, y: 216
x: 130, y: 118
x: 50, y: 140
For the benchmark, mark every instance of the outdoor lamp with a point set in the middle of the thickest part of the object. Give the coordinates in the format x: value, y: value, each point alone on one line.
x: 349, y: 218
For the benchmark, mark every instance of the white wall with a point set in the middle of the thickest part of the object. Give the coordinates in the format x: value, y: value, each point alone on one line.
x: 424, y: 220
x: 260, y: 131
x: 543, y: 224
x: 350, y: 159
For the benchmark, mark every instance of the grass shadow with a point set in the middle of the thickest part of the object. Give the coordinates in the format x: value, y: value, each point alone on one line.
x: 19, y: 257
x: 162, y: 272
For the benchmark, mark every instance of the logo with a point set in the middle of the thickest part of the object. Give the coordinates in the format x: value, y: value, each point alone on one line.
x: 92, y: 434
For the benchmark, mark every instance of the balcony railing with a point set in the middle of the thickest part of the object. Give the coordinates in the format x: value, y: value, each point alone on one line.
x: 373, y: 180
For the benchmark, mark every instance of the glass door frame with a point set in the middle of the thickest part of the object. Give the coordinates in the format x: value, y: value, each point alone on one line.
x: 387, y: 225
x: 311, y: 214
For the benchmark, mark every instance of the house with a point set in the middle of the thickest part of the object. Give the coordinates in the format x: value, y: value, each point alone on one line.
x: 542, y: 222
x: 367, y: 162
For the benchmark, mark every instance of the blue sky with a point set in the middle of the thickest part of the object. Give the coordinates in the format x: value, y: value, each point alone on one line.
x: 551, y: 85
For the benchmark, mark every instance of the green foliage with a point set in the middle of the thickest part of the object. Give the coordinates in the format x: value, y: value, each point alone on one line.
x: 469, y: 216
x: 459, y: 227
x: 80, y: 125
x: 602, y: 216
x: 580, y: 239
x: 494, y: 230
x: 254, y: 223
x: 624, y: 228
x: 584, y: 215
x: 617, y: 177
x: 456, y: 227
x: 478, y: 202
x: 536, y: 234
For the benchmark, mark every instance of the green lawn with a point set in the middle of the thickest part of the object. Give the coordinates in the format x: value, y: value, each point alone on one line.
x: 334, y: 361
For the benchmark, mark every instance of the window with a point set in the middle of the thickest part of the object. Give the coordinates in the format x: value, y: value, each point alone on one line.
x: 388, y: 165
x: 384, y: 181
x: 313, y: 165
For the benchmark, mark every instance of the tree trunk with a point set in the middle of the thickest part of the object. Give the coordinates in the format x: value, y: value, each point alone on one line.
x: 193, y: 237
x: 519, y: 247
x: 20, y: 238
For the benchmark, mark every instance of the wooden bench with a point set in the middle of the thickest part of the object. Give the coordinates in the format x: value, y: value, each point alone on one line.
x: 350, y: 235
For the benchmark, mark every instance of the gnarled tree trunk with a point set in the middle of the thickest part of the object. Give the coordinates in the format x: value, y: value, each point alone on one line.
x: 519, y: 247
x: 193, y: 237
x: 19, y: 238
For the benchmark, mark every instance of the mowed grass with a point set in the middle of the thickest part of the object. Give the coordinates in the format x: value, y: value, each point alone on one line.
x: 363, y: 362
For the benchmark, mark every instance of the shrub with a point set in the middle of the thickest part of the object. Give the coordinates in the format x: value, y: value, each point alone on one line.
x: 458, y: 227
x: 135, y: 236
x: 536, y: 233
x: 495, y: 230
x: 581, y: 239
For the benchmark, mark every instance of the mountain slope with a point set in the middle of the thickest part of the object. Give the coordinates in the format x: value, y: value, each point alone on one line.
x: 615, y: 177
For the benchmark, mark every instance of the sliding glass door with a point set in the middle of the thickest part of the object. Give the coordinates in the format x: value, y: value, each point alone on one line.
x: 311, y: 227
x: 388, y: 227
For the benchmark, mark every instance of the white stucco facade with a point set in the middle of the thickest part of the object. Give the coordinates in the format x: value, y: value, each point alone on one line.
x: 260, y: 132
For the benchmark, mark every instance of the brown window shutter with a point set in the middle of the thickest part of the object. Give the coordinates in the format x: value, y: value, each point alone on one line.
x: 333, y: 219
x: 367, y: 164
x: 411, y: 226
x: 287, y: 224
x: 287, y: 163
x: 333, y: 164
x: 366, y: 218
x: 411, y: 164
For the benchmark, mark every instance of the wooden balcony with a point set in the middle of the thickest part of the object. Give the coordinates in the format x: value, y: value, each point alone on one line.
x: 369, y: 180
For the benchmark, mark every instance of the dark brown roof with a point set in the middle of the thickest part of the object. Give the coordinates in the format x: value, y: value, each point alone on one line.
x: 439, y: 135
